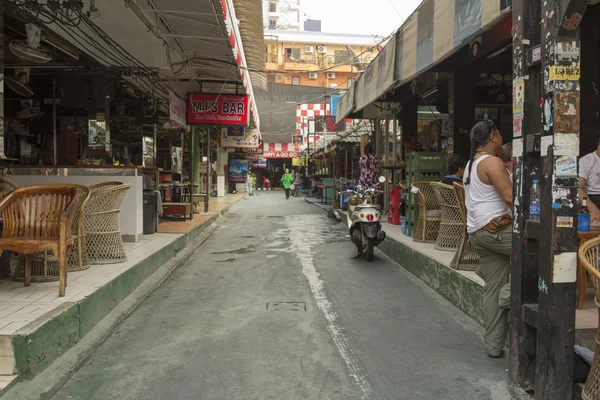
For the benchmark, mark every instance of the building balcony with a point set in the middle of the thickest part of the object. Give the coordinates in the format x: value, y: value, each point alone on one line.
x: 274, y: 14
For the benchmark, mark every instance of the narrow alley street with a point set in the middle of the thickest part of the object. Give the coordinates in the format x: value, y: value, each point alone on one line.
x: 274, y: 306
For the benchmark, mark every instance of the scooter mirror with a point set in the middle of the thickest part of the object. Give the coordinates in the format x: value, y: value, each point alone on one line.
x: 343, y: 181
x: 381, y: 179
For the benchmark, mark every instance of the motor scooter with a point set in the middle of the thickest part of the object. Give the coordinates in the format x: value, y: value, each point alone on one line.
x: 364, y: 218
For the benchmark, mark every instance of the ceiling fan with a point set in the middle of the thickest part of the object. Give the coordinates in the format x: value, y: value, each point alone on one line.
x: 29, y: 110
x: 31, y: 50
x: 19, y: 84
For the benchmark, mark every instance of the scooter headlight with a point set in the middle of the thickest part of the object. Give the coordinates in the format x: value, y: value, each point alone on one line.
x: 353, y: 201
x: 367, y: 200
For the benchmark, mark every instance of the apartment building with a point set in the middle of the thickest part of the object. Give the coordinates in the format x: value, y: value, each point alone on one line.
x: 319, y: 59
x: 284, y: 15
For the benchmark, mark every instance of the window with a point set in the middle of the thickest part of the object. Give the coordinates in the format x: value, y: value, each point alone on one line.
x: 292, y: 55
x: 272, y: 7
x: 349, y: 82
x: 296, y: 80
x: 272, y: 24
x: 341, y: 57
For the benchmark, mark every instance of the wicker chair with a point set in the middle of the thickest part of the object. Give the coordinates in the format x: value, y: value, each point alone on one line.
x: 451, y: 225
x: 38, y: 218
x: 101, y: 223
x: 589, y: 255
x: 428, y: 223
x: 6, y: 186
x: 45, y: 266
x: 466, y: 257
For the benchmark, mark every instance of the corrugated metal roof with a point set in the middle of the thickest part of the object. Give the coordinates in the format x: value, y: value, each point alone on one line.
x: 323, y: 37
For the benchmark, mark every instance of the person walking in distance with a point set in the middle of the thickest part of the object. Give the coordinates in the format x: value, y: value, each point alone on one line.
x: 488, y: 198
x: 286, y: 181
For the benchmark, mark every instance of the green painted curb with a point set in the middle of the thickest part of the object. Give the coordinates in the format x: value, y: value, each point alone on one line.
x: 459, y: 290
x: 39, y: 344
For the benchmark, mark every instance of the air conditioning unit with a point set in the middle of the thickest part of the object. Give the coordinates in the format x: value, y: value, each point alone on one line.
x: 309, y: 49
x: 321, y: 49
x: 312, y: 75
x: 331, y: 75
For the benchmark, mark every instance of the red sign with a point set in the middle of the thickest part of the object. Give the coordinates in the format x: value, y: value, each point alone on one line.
x: 280, y: 154
x: 214, y: 109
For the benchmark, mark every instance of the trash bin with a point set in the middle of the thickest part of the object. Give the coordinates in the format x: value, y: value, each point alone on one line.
x: 150, y: 211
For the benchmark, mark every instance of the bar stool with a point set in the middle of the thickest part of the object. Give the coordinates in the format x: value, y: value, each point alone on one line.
x: 101, y: 222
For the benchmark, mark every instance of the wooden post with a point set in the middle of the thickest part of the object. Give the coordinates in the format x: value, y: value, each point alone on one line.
x: 461, y: 109
x: 546, y: 78
x: 192, y: 143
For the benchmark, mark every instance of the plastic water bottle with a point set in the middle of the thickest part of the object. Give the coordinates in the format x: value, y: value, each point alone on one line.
x: 583, y: 224
x: 534, y: 202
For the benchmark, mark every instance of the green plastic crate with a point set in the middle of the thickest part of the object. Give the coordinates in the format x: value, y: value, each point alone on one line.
x: 427, y: 176
x: 425, y: 161
x: 411, y: 212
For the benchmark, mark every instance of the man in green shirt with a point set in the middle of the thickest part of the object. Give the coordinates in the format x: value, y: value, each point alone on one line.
x: 286, y: 181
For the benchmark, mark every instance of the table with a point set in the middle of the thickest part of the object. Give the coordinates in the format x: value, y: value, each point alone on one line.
x: 182, y: 209
x: 581, y: 272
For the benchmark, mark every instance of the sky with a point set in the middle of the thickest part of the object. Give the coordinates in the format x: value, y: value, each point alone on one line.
x: 359, y: 16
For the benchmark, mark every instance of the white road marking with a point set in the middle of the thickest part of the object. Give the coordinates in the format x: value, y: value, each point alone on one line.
x: 306, y: 232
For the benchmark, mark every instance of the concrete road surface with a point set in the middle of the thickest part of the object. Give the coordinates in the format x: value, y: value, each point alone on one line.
x: 274, y: 306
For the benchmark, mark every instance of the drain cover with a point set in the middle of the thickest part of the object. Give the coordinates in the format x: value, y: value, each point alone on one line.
x: 287, y: 306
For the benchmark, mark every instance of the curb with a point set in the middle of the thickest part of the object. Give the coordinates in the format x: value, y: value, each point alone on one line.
x: 46, y: 350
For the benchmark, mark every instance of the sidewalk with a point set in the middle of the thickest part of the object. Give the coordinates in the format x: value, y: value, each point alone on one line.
x: 37, y: 326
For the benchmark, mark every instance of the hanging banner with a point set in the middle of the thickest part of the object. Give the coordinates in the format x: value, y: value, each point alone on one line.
x: 252, y: 150
x: 298, y: 162
x: 238, y: 170
x: 239, y: 137
x: 326, y: 123
x: 215, y: 109
x: 262, y: 163
x: 176, y: 109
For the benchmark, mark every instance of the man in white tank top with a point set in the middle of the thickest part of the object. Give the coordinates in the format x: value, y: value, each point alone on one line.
x: 589, y: 182
x: 488, y: 198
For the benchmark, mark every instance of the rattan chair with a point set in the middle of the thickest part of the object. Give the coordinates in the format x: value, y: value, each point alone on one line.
x: 466, y: 257
x: 6, y: 186
x: 36, y: 219
x: 428, y: 223
x: 451, y: 224
x: 101, y: 223
x: 589, y: 255
x: 45, y: 266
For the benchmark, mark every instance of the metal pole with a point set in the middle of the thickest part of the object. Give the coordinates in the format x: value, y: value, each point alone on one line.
x: 191, y: 144
x: 54, y: 133
x: 208, y: 172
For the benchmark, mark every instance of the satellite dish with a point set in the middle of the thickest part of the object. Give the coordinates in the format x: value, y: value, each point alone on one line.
x: 29, y: 110
x: 31, y: 50
x: 19, y: 83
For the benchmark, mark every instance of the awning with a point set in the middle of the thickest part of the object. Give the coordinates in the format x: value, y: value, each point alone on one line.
x: 378, y: 78
x: 436, y: 30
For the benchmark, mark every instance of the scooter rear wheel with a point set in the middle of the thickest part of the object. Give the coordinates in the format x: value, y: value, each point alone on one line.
x: 370, y: 249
